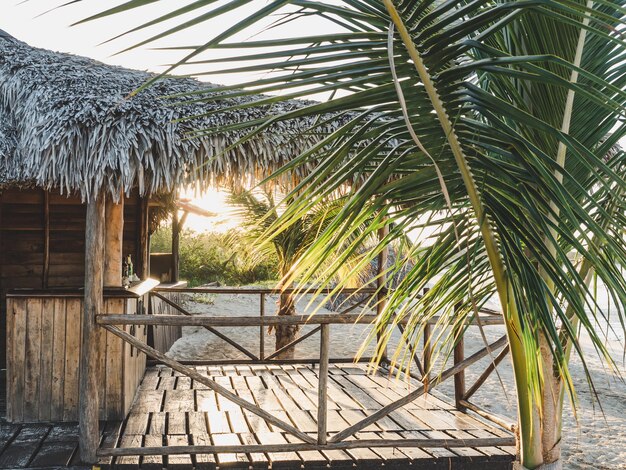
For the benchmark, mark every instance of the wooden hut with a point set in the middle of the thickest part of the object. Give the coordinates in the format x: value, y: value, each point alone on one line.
x: 80, y: 158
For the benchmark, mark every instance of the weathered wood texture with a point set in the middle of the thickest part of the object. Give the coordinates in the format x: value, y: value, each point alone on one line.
x: 92, y: 352
x: 171, y: 409
x: 114, y: 239
x: 164, y: 336
x: 45, y: 347
x: 23, y: 238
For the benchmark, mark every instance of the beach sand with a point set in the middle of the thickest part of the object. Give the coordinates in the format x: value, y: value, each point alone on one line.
x: 596, y: 439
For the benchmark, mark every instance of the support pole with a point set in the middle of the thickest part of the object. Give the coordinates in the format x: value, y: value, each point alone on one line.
x: 175, y: 246
x: 114, y: 241
x: 459, y: 377
x: 46, y: 239
x: 88, y: 408
x: 322, y: 391
x: 142, y: 266
x: 381, y: 282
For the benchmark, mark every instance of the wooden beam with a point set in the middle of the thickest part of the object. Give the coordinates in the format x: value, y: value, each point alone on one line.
x: 142, y: 264
x: 176, y: 229
x: 489, y: 416
x: 485, y: 375
x: 322, y: 390
x: 296, y: 447
x: 114, y: 240
x: 88, y: 408
x: 46, y: 239
x: 459, y: 377
x: 381, y: 283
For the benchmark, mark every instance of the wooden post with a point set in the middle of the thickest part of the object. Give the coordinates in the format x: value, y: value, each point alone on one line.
x: 381, y: 281
x: 88, y: 409
x: 175, y: 246
x: 46, y: 239
x: 114, y: 241
x: 142, y: 265
x: 322, y: 392
x: 262, y: 330
x: 459, y: 377
x: 428, y: 349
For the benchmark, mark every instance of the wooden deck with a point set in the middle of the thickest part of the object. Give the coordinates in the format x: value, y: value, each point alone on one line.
x: 46, y: 446
x: 170, y: 409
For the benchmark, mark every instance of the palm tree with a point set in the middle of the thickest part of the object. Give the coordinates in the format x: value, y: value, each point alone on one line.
x: 495, y: 118
x: 259, y: 211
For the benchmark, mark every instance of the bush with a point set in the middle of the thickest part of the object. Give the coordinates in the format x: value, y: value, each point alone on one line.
x: 226, y: 258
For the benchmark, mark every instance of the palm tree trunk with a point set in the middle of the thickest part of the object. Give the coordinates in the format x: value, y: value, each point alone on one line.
x: 285, y: 334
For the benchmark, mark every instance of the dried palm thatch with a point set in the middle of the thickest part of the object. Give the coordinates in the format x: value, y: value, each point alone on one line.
x: 68, y: 122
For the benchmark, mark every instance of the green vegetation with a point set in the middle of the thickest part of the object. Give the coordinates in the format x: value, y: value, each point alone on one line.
x: 227, y: 258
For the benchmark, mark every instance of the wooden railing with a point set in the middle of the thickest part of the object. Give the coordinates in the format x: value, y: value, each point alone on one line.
x: 323, y: 322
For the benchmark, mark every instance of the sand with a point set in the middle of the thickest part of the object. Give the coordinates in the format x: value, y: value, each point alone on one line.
x: 595, y: 440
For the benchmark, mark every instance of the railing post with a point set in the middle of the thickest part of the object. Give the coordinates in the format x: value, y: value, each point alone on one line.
x: 322, y: 394
x: 459, y: 377
x: 381, y: 282
x: 262, y: 330
x: 428, y: 349
x: 88, y: 409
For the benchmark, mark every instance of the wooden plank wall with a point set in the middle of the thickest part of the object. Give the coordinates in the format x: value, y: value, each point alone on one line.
x: 23, y: 226
x: 44, y: 350
x: 164, y: 336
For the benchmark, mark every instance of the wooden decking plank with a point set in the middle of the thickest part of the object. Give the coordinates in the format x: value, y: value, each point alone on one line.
x: 267, y: 400
x: 237, y: 421
x: 176, y: 423
x: 365, y: 457
x: 148, y: 400
x: 254, y: 383
x: 439, y: 452
x: 256, y: 423
x: 179, y: 400
x: 7, y: 433
x: 136, y: 423
x: 203, y: 461
x: 24, y: 446
x: 335, y: 422
x: 258, y: 460
x: 158, y: 423
x: 55, y: 454
x: 466, y: 451
x: 343, y: 400
x: 63, y: 432
x: 392, y: 456
x: 483, y: 433
x: 354, y: 416
x: 183, y: 383
x: 289, y: 460
x: 230, y: 460
x: 206, y: 400
x: 129, y: 462
x: 307, y: 402
x: 182, y: 461
x: 311, y: 459
x: 197, y: 423
x: 152, y: 462
x: 302, y: 420
x: 167, y: 383
x: 218, y: 422
x: 434, y: 419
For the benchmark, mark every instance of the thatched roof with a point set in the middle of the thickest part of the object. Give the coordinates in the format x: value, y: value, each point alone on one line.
x: 67, y: 122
